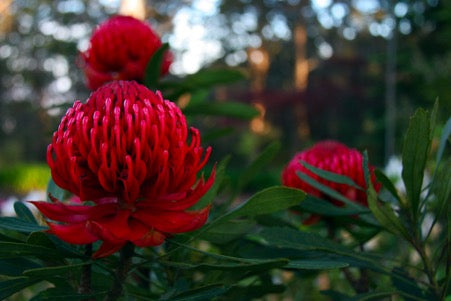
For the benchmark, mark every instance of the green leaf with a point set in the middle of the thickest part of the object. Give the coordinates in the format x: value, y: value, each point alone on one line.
x: 240, y: 267
x: 443, y: 140
x: 210, y: 77
x: 63, y: 294
x: 213, y: 191
x: 16, y: 266
x: 318, y: 264
x: 263, y: 159
x: 408, y: 285
x: 203, y: 293
x: 11, y: 286
x: 329, y: 191
x: 54, y: 270
x: 24, y: 213
x: 227, y: 109
x: 383, y: 213
x: 217, y: 133
x: 318, y: 206
x: 254, y: 292
x: 414, y: 155
x: 153, y: 68
x: 330, y: 176
x: 267, y: 201
x: 382, y: 178
x: 225, y: 232
x: 13, y: 250
x: 13, y: 223
x: 56, y: 191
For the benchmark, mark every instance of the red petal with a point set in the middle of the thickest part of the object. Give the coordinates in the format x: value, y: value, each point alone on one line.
x: 191, y: 198
x: 150, y: 239
x: 74, y: 234
x: 73, y: 213
x: 173, y: 221
x: 107, y: 249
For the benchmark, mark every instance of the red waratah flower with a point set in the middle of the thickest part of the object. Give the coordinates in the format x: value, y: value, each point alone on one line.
x: 120, y: 49
x: 334, y: 157
x: 126, y: 152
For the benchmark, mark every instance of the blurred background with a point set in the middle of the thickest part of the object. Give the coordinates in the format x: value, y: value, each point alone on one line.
x: 350, y: 70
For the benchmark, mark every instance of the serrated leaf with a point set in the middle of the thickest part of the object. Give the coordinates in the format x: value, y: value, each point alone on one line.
x: 11, y: 286
x: 24, y: 213
x: 153, y: 68
x: 20, y: 225
x: 414, y: 155
x: 209, y: 77
x: 330, y: 176
x: 227, y: 109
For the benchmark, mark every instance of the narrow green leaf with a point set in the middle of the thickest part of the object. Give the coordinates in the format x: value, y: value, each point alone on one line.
x: 217, y: 133
x: 24, y: 213
x: 227, y: 109
x: 16, y: 266
x: 54, y: 270
x: 225, y: 232
x: 210, y: 77
x: 213, y: 191
x: 13, y: 250
x: 443, y: 141
x: 383, y: 213
x: 318, y: 206
x: 318, y: 264
x: 153, y: 68
x: 330, y: 176
x: 267, y: 201
x: 261, y: 265
x: 11, y: 286
x: 329, y: 191
x: 382, y: 178
x: 63, y: 294
x: 263, y: 159
x: 203, y: 293
x: 56, y: 191
x: 414, y: 155
x: 13, y: 223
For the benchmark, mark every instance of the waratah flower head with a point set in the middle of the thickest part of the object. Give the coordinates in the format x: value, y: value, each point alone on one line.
x: 126, y: 151
x: 334, y: 157
x: 120, y: 49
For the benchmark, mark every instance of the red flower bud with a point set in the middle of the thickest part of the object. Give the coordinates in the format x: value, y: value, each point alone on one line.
x: 126, y: 151
x: 120, y: 49
x: 334, y: 157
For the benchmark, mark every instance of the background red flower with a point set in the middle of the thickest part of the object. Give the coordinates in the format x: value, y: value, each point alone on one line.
x: 335, y: 157
x: 120, y: 49
x: 125, y: 150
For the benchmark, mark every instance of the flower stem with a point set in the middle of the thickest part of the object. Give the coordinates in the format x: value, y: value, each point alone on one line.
x: 85, y: 280
x: 125, y: 261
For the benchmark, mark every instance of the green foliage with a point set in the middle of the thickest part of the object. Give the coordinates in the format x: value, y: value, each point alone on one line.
x: 22, y: 178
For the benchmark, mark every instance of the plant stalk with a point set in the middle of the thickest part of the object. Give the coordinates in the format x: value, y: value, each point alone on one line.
x: 85, y: 280
x: 125, y: 261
